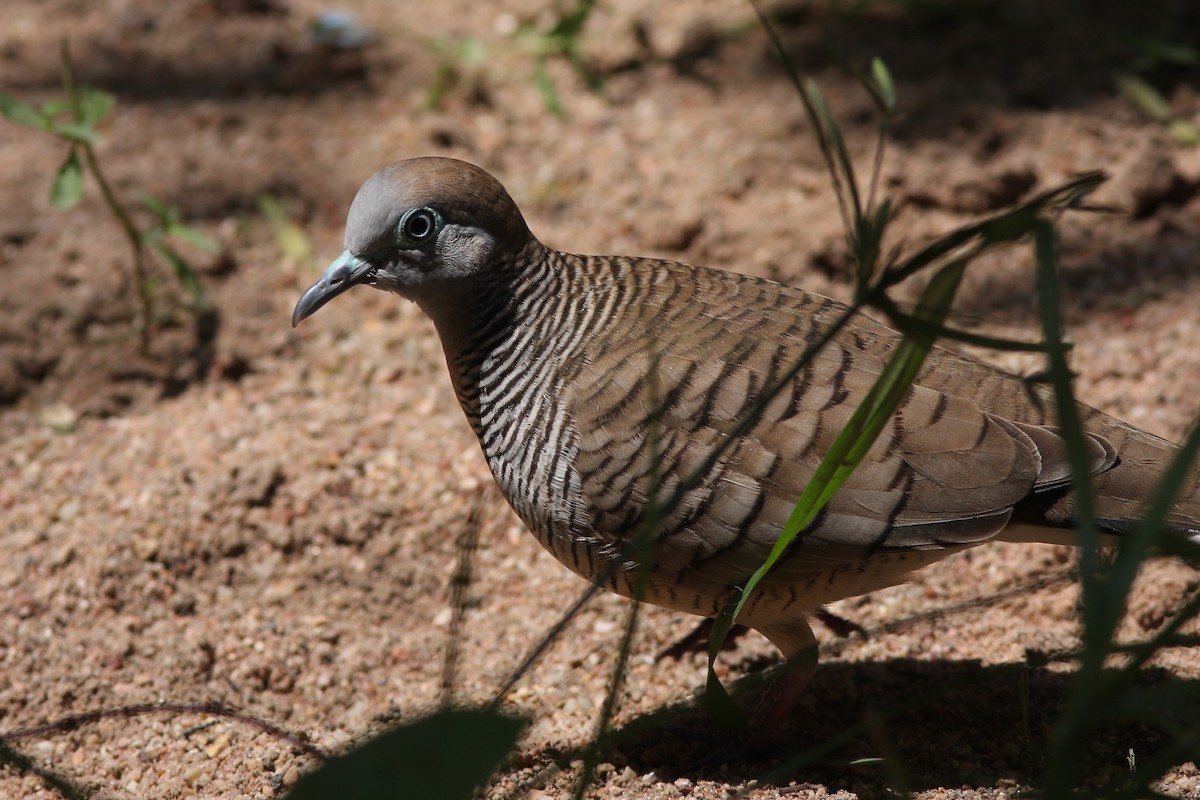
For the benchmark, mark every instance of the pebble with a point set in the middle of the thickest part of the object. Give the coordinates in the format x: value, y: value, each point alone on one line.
x: 59, y: 417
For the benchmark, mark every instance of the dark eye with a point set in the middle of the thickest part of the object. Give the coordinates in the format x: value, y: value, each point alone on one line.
x: 418, y: 225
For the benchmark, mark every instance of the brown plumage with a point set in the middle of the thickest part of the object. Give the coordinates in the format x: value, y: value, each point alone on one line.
x: 561, y: 361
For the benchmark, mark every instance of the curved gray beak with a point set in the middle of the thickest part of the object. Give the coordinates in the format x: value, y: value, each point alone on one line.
x: 347, y: 271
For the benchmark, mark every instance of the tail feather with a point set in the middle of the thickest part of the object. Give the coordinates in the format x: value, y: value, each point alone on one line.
x: 1125, y: 481
x: 1124, y: 491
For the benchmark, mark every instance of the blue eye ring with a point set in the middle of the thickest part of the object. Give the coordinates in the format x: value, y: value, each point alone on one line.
x: 418, y: 225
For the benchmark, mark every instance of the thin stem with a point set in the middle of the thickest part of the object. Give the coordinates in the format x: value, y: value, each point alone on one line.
x: 110, y: 199
x: 70, y: 723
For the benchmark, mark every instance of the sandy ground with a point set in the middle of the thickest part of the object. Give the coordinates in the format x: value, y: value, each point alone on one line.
x: 267, y: 519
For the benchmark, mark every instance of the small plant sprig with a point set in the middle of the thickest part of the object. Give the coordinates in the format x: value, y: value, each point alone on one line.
x: 458, y: 58
x: 1132, y: 85
x: 75, y: 119
x: 563, y: 38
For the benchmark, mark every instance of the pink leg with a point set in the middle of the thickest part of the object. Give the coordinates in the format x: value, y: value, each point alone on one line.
x: 772, y: 715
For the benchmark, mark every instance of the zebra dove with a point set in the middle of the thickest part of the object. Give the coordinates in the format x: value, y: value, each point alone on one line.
x: 579, y: 373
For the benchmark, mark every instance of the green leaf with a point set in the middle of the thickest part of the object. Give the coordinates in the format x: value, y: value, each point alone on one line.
x: 21, y: 112
x: 471, y: 51
x: 158, y: 208
x: 76, y: 132
x: 67, y: 186
x: 1144, y: 96
x: 570, y: 23
x: 52, y: 108
x: 289, y: 237
x: 446, y: 756
x: 192, y: 236
x: 545, y: 86
x: 94, y: 105
x: 1184, y: 132
x: 884, y: 85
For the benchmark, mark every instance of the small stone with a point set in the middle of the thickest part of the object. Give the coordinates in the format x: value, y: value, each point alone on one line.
x: 145, y: 548
x: 184, y: 604
x: 254, y: 485
x: 63, y: 556
x: 59, y: 417
x: 218, y: 746
x: 68, y: 510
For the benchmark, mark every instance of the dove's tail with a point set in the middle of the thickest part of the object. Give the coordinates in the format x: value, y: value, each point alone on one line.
x: 1125, y: 481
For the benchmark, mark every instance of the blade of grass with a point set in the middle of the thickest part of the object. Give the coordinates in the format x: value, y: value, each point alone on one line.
x: 814, y: 118
x: 1004, y: 227
x: 1101, y: 611
x: 847, y: 451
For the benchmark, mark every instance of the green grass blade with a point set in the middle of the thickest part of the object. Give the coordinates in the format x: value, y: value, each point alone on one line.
x: 1144, y: 96
x: 906, y: 322
x: 1069, y: 421
x: 844, y: 164
x: 158, y: 208
x: 814, y: 118
x: 545, y: 86
x: 885, y: 87
x: 1101, y: 611
x: 186, y: 233
x: 847, y: 451
x: 1007, y: 226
